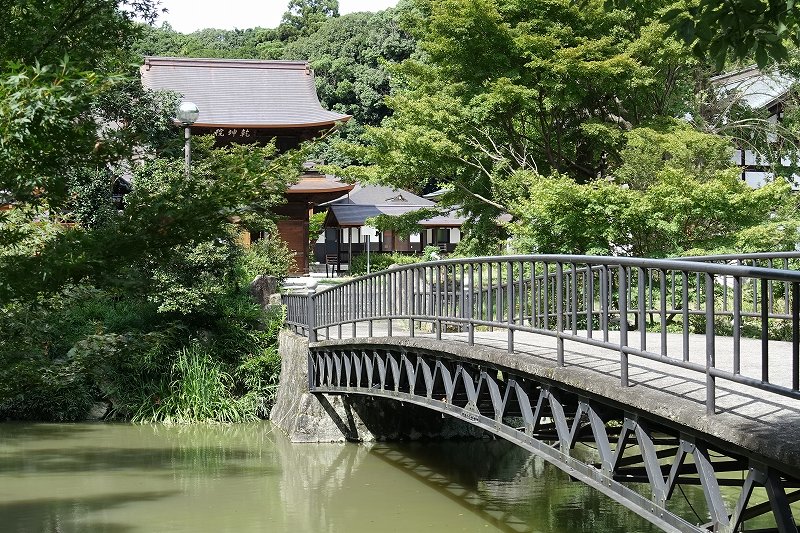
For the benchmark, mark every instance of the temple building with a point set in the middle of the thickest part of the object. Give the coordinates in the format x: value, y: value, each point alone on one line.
x: 251, y: 101
x: 347, y: 231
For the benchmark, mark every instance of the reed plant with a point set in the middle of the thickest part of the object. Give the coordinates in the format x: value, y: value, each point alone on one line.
x: 200, y: 391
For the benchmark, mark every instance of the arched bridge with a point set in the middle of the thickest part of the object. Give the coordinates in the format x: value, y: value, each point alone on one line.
x: 675, y: 372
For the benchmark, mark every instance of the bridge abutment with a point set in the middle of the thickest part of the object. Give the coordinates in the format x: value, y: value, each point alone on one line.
x: 318, y: 417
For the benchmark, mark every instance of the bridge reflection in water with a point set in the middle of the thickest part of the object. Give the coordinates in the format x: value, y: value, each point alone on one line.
x: 676, y: 371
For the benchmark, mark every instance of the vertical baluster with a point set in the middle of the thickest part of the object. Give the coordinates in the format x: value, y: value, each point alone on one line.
x: 710, y: 346
x: 429, y: 293
x: 438, y: 310
x: 786, y: 288
x: 662, y: 286
x: 499, y: 293
x: 574, y: 298
x: 672, y: 290
x: 413, y: 276
x: 510, y: 304
x: 641, y: 309
x: 480, y: 292
x: 699, y: 307
x: 560, y: 313
x: 764, y: 331
x: 340, y: 309
x: 685, y: 307
x: 489, y: 296
x: 589, y: 300
x: 725, y: 293
x: 795, y: 335
x: 737, y: 324
x: 391, y: 296
x: 623, y: 325
x: 770, y: 294
x: 755, y: 295
x: 323, y: 306
x: 354, y: 308
x: 534, y: 295
x: 546, y: 298
x: 370, y: 303
x: 604, y: 301
x: 471, y: 306
x: 453, y: 298
x: 521, y: 302
x: 311, y: 313
x: 462, y: 312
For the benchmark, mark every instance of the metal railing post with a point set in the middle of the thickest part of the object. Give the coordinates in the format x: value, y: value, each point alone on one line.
x: 559, y: 313
x: 311, y: 318
x: 796, y: 336
x: 623, y: 325
x: 711, y: 396
x: 510, y: 304
x: 471, y: 306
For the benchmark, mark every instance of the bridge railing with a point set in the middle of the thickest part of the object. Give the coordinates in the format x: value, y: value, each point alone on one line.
x: 723, y: 320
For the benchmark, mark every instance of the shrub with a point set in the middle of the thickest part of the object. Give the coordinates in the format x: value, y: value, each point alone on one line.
x: 380, y: 261
x: 269, y: 256
x: 37, y: 389
x: 200, y: 391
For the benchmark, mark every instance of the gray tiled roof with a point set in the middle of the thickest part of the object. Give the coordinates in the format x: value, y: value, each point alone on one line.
x: 366, y: 201
x: 242, y: 92
x: 754, y: 87
x: 380, y: 195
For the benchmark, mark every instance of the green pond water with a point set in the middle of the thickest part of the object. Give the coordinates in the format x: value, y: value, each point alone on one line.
x: 120, y: 478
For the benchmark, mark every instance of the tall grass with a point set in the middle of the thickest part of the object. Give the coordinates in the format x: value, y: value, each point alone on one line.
x: 200, y: 391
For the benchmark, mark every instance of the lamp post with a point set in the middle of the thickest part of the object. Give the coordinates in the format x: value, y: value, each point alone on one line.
x: 187, y: 115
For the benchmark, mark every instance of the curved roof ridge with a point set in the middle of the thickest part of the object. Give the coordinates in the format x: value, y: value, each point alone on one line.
x: 243, y: 93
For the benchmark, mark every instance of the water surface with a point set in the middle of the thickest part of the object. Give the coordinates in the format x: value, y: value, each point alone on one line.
x: 119, y: 478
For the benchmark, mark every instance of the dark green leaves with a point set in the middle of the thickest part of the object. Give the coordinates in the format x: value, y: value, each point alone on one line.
x: 742, y: 28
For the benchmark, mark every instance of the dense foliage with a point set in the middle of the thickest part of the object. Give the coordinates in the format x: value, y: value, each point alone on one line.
x: 142, y: 306
x: 504, y: 100
x: 558, y: 114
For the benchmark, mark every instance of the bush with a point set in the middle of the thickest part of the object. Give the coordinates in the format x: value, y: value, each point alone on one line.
x: 37, y: 389
x: 381, y: 261
x: 269, y: 257
x: 200, y: 391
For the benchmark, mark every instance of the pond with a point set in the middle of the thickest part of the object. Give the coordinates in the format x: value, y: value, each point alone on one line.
x: 120, y: 478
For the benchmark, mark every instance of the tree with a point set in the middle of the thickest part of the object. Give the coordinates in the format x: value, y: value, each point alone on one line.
x: 122, y: 304
x: 743, y: 29
x: 351, y: 56
x: 89, y: 31
x: 502, y: 85
x: 305, y: 16
x: 681, y: 195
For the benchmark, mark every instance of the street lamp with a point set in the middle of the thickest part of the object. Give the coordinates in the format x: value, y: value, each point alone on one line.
x: 187, y: 115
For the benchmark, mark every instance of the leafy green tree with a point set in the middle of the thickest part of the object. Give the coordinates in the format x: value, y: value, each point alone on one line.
x: 305, y: 16
x: 89, y: 31
x: 133, y: 305
x: 742, y: 29
x: 351, y: 56
x: 502, y: 85
x: 680, y: 195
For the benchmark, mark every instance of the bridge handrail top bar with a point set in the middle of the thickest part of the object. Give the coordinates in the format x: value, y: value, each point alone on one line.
x: 685, y: 264
x: 741, y: 257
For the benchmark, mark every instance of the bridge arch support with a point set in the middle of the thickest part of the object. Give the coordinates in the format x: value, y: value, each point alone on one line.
x: 549, y: 416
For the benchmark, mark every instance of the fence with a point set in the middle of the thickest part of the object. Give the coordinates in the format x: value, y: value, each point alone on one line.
x: 637, y: 307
